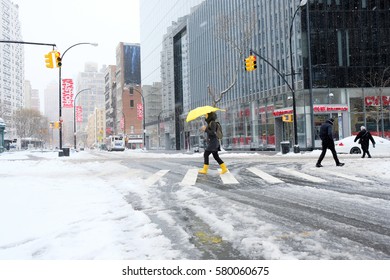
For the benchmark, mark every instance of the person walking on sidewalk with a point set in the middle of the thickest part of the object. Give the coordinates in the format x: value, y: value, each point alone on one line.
x: 213, y: 145
x: 326, y: 135
x: 365, y: 137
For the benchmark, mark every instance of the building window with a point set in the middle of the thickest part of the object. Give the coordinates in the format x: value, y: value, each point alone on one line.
x: 131, y: 103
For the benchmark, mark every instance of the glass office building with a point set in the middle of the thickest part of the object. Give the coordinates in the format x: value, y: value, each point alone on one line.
x: 336, y: 52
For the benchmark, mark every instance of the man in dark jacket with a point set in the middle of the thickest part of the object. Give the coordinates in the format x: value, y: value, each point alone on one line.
x: 326, y: 135
x: 365, y: 138
x: 213, y: 145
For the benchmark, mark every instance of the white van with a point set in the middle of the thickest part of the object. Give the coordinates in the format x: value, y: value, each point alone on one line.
x: 115, y: 143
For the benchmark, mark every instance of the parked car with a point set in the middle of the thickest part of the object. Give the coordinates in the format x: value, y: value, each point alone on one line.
x: 347, y: 146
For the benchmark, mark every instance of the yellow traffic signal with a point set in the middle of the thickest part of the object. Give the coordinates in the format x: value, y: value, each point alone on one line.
x: 58, y: 59
x: 250, y: 63
x: 57, y: 125
x: 287, y: 118
x: 49, y: 60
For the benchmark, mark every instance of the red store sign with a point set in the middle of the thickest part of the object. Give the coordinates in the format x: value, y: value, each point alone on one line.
x: 375, y: 100
x: 329, y: 108
x: 316, y: 109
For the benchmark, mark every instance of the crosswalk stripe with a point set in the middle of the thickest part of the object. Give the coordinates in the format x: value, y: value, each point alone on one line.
x: 228, y: 178
x: 265, y: 176
x: 302, y: 175
x: 346, y: 176
x: 155, y: 177
x: 190, y: 177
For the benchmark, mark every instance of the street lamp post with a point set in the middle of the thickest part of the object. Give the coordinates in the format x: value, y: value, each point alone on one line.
x: 74, y: 115
x: 60, y: 88
x: 296, y: 144
x: 143, y: 113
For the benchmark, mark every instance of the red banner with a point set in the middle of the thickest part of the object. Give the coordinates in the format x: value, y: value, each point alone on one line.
x: 67, y: 93
x: 79, y: 114
x: 140, y: 111
x: 122, y: 123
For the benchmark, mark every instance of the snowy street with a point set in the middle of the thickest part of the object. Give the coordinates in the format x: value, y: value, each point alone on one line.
x: 154, y: 206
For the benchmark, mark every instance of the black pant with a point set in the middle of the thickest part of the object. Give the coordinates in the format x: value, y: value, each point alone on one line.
x: 215, y: 155
x: 365, y: 149
x: 328, y: 145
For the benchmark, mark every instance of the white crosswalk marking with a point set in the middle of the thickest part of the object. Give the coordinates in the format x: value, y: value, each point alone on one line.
x: 342, y: 175
x: 302, y: 175
x: 228, y: 178
x: 155, y: 177
x: 265, y: 176
x: 190, y: 177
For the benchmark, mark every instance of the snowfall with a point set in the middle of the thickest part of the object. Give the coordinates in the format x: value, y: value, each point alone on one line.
x: 57, y: 208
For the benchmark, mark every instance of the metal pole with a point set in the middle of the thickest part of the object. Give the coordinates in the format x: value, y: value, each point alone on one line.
x: 27, y: 43
x: 310, y: 80
x: 381, y: 108
x: 60, y: 89
x: 296, y: 145
x: 74, y: 115
x: 143, y: 118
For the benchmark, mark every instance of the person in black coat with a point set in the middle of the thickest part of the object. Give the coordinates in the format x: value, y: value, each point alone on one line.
x: 213, y: 145
x: 365, y: 137
x: 326, y: 135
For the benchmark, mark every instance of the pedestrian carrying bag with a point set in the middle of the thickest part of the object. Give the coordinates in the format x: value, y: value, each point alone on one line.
x: 361, y: 138
x: 219, y: 132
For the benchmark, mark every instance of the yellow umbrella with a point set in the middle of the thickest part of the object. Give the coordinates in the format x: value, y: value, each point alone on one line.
x: 200, y: 111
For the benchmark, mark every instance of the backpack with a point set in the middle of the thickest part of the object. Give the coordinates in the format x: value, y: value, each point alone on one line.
x: 219, y: 132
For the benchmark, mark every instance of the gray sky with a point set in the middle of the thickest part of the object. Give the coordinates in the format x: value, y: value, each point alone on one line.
x: 68, y: 22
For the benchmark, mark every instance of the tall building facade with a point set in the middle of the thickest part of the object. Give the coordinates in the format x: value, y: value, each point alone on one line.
x: 11, y: 64
x: 31, y: 97
x: 331, y: 57
x: 162, y: 24
x: 109, y: 98
x: 127, y: 96
x: 50, y: 109
x: 89, y: 100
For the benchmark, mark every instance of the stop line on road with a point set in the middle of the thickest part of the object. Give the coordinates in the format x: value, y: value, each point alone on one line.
x: 191, y: 176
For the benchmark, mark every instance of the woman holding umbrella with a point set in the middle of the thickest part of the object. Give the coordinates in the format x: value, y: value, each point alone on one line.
x: 213, y: 145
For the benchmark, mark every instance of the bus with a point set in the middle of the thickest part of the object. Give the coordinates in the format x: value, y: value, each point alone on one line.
x: 115, y: 143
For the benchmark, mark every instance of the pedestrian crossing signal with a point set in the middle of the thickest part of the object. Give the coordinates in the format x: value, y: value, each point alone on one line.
x: 287, y: 118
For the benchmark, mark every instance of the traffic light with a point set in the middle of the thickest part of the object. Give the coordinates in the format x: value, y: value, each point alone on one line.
x: 287, y: 118
x: 58, y: 59
x: 250, y: 63
x: 49, y: 60
x: 57, y: 125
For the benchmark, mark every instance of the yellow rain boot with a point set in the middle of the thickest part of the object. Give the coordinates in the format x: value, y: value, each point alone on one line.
x: 204, y: 170
x: 224, y: 168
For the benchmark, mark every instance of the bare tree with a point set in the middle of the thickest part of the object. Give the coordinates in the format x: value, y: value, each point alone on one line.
x: 30, y: 123
x: 225, y: 31
x: 378, y: 80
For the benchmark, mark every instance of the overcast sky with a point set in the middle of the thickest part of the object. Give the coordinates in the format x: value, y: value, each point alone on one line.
x: 68, y: 22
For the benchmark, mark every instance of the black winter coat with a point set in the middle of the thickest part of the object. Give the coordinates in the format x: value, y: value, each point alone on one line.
x: 211, y: 131
x: 326, y: 132
x: 365, y: 138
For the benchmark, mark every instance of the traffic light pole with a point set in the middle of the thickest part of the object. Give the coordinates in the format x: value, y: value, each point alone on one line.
x: 60, y: 88
x: 292, y: 88
x: 74, y: 117
x: 28, y: 43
